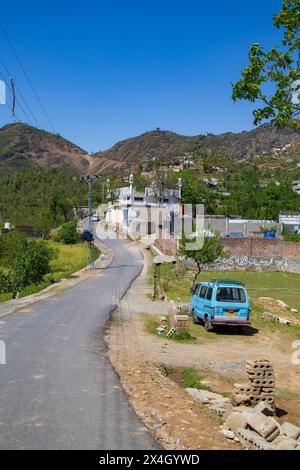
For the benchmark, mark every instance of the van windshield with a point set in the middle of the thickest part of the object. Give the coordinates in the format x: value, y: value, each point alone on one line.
x: 231, y: 294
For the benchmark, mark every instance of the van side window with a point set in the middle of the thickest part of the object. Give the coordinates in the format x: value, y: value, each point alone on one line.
x: 209, y: 293
x: 198, y: 289
x: 203, y: 292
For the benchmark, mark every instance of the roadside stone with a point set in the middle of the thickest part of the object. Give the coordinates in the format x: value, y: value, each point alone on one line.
x: 294, y: 310
x: 235, y: 421
x: 227, y: 433
x: 290, y: 430
x: 214, y: 401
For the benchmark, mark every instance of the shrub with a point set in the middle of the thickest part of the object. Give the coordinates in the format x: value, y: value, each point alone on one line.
x: 68, y: 234
x: 31, y: 263
x: 6, y: 282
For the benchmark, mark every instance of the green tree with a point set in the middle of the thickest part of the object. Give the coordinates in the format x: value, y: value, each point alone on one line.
x: 31, y: 263
x: 208, y: 254
x: 272, y: 77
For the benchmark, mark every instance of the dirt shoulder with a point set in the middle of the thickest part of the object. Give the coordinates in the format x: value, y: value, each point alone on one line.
x: 140, y: 358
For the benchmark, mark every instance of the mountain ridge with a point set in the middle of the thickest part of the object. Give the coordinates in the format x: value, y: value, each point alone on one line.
x: 23, y: 146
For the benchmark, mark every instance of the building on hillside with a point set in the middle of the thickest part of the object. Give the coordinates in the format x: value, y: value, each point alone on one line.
x: 290, y: 221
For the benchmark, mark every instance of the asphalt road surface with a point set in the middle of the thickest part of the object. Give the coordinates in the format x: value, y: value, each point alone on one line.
x: 58, y: 389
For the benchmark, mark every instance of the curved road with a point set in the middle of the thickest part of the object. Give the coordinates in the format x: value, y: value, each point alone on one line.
x: 58, y: 389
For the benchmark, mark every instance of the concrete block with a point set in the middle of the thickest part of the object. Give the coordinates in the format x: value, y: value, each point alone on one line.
x: 264, y: 383
x: 240, y: 399
x: 268, y: 391
x: 245, y: 389
x: 263, y: 425
x: 285, y: 443
x: 264, y: 408
x: 268, y: 315
x: 235, y: 421
x: 290, y: 430
x: 251, y: 440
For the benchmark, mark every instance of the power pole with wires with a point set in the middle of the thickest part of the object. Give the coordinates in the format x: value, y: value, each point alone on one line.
x: 90, y: 179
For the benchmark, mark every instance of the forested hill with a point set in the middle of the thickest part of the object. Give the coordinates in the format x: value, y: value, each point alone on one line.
x: 164, y: 144
x: 24, y: 147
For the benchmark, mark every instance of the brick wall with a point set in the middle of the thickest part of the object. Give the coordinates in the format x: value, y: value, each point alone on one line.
x: 260, y: 247
x: 250, y: 247
x: 291, y: 250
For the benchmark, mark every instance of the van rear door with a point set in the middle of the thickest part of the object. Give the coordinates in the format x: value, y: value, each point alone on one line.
x: 232, y: 304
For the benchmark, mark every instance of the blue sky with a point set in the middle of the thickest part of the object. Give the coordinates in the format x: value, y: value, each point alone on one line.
x: 110, y: 70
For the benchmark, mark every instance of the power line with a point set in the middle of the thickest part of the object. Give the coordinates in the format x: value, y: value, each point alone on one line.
x: 26, y: 75
x: 11, y: 109
x: 21, y: 95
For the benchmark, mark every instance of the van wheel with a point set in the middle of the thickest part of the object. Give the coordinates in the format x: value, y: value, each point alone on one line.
x: 207, y: 325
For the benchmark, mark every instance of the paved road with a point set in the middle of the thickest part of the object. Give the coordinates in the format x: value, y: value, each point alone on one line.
x: 58, y: 389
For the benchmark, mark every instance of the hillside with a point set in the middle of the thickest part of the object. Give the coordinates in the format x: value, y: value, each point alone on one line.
x: 158, y: 144
x: 24, y: 147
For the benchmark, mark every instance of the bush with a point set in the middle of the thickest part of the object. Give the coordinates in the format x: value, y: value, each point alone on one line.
x: 10, y: 244
x: 31, y: 263
x: 6, y: 282
x: 68, y: 234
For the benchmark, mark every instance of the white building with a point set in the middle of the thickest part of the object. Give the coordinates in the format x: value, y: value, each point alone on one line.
x: 290, y: 221
x: 144, y: 213
x: 296, y: 186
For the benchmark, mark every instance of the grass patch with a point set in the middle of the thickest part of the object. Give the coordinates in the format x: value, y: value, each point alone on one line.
x: 114, y: 321
x: 277, y: 285
x: 285, y: 393
x: 69, y: 259
x: 152, y: 323
x: 193, y: 380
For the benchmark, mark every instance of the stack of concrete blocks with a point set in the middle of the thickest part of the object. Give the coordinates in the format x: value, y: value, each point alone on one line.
x: 179, y: 322
x: 261, y: 385
x: 257, y: 429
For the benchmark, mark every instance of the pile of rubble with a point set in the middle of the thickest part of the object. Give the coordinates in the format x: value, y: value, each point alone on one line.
x: 261, y: 385
x: 257, y: 429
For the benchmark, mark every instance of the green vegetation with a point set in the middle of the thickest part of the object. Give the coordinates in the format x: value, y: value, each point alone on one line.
x: 270, y: 76
x: 30, y: 266
x: 193, y: 380
x: 40, y: 197
x: 283, y: 286
x: 207, y: 254
x: 152, y: 323
x: 68, y: 234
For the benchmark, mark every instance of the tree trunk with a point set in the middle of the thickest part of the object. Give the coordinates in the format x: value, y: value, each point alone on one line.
x: 198, y: 272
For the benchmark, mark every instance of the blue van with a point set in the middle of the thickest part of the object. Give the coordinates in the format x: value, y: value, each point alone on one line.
x: 220, y: 302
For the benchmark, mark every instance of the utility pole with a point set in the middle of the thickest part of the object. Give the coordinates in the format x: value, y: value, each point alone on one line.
x: 90, y: 179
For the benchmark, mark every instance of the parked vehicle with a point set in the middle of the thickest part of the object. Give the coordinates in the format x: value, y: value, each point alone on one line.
x: 220, y: 302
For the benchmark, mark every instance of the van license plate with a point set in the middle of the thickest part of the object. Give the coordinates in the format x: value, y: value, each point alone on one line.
x: 231, y: 312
